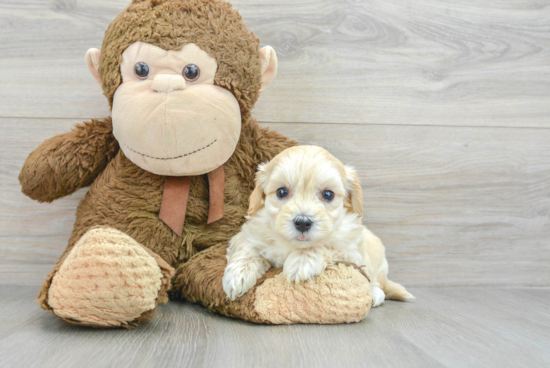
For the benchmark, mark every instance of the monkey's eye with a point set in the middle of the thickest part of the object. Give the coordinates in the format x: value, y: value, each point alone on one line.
x: 142, y: 70
x: 282, y: 192
x: 328, y: 195
x: 191, y: 72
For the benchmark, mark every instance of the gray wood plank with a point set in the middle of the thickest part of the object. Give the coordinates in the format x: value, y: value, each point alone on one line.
x: 465, y: 328
x: 458, y: 327
x: 474, y: 63
x: 454, y: 206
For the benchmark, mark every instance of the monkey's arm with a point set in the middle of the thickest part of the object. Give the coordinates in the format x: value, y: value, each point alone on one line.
x: 67, y: 162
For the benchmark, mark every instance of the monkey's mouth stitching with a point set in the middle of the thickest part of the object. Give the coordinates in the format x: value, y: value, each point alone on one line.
x: 173, y: 158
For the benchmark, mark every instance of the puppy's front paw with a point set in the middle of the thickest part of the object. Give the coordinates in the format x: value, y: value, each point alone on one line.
x: 239, y: 277
x: 303, y: 265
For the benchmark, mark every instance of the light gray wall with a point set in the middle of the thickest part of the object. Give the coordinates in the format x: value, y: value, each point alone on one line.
x: 443, y: 107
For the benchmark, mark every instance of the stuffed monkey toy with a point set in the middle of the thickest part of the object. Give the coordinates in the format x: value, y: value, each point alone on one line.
x: 170, y: 174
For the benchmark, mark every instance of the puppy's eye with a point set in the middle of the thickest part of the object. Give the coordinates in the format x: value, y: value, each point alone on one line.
x: 282, y: 192
x: 328, y: 195
x: 191, y: 72
x: 142, y: 70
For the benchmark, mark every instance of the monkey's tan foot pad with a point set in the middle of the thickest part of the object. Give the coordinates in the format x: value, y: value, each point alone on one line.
x: 109, y: 280
x: 339, y: 295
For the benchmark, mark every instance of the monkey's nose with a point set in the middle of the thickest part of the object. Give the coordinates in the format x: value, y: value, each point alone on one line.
x: 303, y: 223
x: 168, y: 83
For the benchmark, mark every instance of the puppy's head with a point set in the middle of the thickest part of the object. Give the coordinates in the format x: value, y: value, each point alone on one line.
x: 306, y: 192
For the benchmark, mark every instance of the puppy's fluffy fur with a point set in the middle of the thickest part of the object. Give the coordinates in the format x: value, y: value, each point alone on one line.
x: 272, y: 236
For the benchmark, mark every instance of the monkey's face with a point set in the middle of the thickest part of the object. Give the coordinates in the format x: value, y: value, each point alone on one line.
x: 178, y: 75
x: 168, y: 116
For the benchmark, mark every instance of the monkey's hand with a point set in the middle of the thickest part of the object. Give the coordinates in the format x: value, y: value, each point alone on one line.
x: 67, y: 162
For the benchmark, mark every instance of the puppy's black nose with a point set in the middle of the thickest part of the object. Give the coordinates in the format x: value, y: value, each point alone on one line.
x: 302, y: 223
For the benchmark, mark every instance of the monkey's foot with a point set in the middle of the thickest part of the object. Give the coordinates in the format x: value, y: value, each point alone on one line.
x: 108, y: 280
x: 341, y: 294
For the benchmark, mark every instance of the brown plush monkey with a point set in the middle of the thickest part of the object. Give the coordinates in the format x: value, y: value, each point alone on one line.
x: 170, y: 176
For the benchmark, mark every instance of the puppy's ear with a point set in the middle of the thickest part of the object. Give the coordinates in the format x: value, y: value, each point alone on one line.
x: 354, y: 198
x: 256, y: 201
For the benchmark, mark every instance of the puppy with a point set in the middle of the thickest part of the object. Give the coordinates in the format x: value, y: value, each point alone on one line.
x: 304, y: 214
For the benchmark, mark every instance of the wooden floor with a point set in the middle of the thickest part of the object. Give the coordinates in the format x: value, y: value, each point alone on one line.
x: 444, y: 327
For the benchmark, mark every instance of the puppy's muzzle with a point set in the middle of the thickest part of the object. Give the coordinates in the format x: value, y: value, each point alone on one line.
x: 303, y: 223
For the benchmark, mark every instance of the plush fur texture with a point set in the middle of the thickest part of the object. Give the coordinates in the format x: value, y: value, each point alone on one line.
x: 213, y: 25
x: 280, y: 302
x: 126, y: 199
x: 68, y: 162
x: 341, y: 295
x: 109, y: 280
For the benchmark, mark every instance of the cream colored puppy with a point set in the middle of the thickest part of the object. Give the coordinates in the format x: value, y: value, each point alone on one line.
x: 305, y: 213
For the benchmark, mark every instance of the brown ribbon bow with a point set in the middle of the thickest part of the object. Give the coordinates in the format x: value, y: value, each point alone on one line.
x: 176, y: 195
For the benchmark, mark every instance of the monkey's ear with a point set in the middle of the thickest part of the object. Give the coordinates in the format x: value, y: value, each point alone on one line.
x: 92, y: 61
x: 354, y: 199
x: 256, y: 201
x: 268, y: 60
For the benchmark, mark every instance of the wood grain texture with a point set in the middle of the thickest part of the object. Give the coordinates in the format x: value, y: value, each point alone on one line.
x: 454, y: 206
x: 476, y: 62
x: 459, y: 327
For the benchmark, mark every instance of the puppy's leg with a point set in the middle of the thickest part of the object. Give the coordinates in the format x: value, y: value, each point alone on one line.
x: 376, y: 289
x: 378, y: 295
x: 374, y: 257
x: 244, y: 267
x: 302, y: 265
